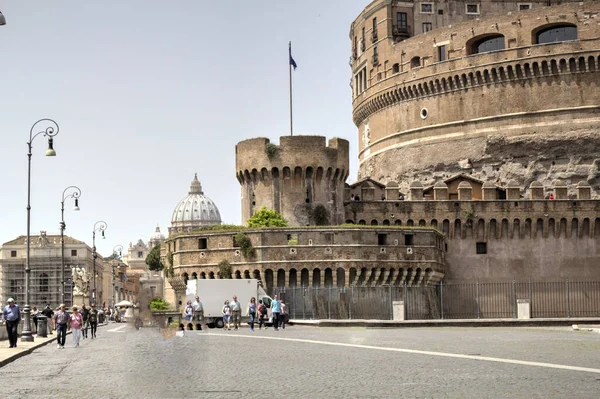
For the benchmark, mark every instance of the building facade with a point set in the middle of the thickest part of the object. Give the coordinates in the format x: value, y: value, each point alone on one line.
x: 45, y: 265
x: 500, y: 90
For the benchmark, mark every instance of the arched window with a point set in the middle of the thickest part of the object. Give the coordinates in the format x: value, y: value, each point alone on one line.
x: 556, y: 33
x: 486, y: 44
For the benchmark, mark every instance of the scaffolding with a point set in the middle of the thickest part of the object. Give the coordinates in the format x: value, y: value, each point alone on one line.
x: 44, y: 281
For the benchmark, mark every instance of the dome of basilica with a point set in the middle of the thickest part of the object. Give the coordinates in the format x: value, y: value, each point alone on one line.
x: 195, y: 210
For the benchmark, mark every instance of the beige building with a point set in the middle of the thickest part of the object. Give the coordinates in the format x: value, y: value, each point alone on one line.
x: 45, y: 265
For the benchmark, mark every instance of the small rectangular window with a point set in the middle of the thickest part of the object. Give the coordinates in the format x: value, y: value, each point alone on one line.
x: 235, y: 243
x: 13, y: 254
x: 140, y: 254
x: 441, y: 53
x: 73, y: 252
x: 382, y: 239
x: 402, y: 22
x: 440, y: 12
x: 328, y: 238
x: 427, y: 26
x: 202, y: 243
x: 374, y: 30
x: 524, y: 6
x: 409, y: 240
x: 426, y: 8
x: 292, y: 239
x: 472, y: 8
x: 481, y: 248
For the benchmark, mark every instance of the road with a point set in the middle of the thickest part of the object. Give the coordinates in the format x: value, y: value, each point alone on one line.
x: 308, y: 362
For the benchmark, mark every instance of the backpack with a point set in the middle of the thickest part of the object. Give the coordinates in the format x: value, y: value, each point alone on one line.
x: 262, y: 309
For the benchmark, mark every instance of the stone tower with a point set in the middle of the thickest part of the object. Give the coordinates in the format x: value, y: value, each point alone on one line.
x: 302, y: 178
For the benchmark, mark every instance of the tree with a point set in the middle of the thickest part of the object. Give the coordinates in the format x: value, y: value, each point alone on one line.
x: 267, y: 218
x: 153, y: 259
x: 225, y: 269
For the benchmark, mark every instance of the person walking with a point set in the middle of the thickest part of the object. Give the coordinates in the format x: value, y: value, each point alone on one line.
x: 236, y: 312
x: 34, y: 315
x: 93, y: 320
x: 61, y: 321
x: 251, y: 312
x: 84, y: 314
x: 48, y: 312
x: 11, y: 315
x: 284, y: 314
x: 226, y: 315
x: 262, y: 312
x: 198, y: 312
x: 276, y: 309
x: 76, y: 322
x: 189, y: 310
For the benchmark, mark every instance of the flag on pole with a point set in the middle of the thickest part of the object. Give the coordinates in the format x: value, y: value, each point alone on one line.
x: 292, y: 62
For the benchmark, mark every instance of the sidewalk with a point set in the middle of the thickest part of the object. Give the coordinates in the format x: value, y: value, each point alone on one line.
x: 581, y: 321
x: 8, y: 355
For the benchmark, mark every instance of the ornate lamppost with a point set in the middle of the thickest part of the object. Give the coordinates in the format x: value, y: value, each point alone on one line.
x: 116, y: 255
x: 50, y: 132
x: 76, y: 193
x: 98, y: 226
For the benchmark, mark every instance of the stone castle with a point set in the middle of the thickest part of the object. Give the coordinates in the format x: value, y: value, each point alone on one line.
x: 478, y: 138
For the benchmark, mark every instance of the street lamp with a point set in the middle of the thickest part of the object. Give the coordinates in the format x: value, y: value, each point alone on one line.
x: 116, y: 255
x: 49, y: 132
x: 101, y: 229
x: 75, y: 194
x: 2, y: 19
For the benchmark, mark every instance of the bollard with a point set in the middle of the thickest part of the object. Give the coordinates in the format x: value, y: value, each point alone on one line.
x: 42, y: 326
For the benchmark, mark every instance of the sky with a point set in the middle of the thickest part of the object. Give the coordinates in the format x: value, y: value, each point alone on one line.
x: 148, y: 92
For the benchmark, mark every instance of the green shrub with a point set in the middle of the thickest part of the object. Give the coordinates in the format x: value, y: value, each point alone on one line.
x: 158, y: 304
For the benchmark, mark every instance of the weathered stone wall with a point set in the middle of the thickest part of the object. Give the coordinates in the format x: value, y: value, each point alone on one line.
x: 293, y: 178
x: 512, y: 239
x: 528, y: 112
x: 316, y: 257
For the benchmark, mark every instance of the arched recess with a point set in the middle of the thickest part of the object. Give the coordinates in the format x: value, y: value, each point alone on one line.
x: 194, y: 276
x: 246, y: 274
x: 539, y: 228
x: 280, y: 278
x: 269, y: 278
x: 575, y: 228
x: 304, y: 277
x: 293, y: 278
x: 341, y: 277
x: 316, y: 278
x: 256, y: 274
x: 203, y: 276
x: 527, y: 228
x: 374, y: 222
x: 211, y: 275
x: 185, y: 277
x: 386, y: 222
x: 352, y: 275
x: 485, y: 43
x: 238, y: 275
x: 328, y: 282
x: 585, y: 227
x: 554, y: 33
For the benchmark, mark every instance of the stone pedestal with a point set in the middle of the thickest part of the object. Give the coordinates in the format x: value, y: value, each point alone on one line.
x: 78, y: 299
x: 399, y: 310
x: 523, y: 309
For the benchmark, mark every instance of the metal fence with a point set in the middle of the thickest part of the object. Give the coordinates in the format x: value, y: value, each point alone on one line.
x: 456, y: 300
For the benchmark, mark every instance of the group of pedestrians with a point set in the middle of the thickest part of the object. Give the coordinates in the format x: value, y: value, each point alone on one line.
x: 232, y: 313
x: 79, y: 321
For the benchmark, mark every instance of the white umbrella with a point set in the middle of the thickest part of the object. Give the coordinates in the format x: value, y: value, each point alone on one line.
x: 124, y: 303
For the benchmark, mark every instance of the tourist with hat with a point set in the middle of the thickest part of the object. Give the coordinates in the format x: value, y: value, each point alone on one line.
x: 10, y: 317
x: 61, y: 323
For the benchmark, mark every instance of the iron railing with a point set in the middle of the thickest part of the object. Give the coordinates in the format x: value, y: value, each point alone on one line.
x: 454, y: 300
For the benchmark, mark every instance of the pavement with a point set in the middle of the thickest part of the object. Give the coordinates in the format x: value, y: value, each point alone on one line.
x: 307, y: 362
x: 538, y: 322
x: 8, y: 355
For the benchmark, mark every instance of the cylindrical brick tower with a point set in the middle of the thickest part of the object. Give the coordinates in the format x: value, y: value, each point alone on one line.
x: 500, y: 90
x: 302, y: 178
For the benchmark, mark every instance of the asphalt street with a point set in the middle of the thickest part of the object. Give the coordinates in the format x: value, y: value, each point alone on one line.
x: 308, y: 362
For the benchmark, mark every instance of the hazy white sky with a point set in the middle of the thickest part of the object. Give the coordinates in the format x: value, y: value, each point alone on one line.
x: 148, y: 92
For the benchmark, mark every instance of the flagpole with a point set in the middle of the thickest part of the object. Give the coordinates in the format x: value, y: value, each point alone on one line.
x: 291, y: 113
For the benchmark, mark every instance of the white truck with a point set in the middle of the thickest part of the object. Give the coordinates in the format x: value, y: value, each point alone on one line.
x: 213, y: 293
